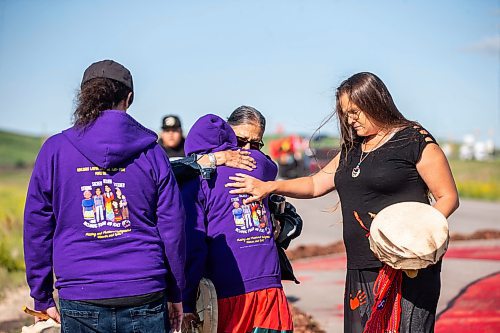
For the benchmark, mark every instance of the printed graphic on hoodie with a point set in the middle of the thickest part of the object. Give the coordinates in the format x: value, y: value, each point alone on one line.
x: 104, y: 207
x: 250, y: 220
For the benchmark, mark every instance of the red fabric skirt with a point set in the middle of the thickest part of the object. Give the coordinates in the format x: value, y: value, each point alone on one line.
x: 258, y: 311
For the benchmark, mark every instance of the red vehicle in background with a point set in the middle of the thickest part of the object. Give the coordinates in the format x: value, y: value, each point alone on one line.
x: 296, y: 159
x: 288, y: 152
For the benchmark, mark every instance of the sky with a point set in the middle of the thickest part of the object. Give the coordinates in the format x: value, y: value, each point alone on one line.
x: 439, y: 59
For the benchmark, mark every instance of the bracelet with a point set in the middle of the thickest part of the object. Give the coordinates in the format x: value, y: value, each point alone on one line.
x: 213, y: 160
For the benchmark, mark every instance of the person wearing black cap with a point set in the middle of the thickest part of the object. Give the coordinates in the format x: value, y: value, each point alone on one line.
x: 171, y: 137
x: 115, y: 273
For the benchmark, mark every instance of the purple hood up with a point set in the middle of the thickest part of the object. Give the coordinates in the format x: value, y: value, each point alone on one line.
x: 210, y: 134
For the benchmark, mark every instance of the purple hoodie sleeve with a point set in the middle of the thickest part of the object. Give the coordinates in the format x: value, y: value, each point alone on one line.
x: 194, y: 201
x: 39, y: 226
x: 171, y: 227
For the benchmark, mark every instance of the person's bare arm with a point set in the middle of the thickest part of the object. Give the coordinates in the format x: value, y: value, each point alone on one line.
x: 301, y: 188
x: 434, y: 169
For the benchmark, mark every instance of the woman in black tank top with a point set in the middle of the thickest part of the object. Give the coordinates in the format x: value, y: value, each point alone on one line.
x: 384, y: 159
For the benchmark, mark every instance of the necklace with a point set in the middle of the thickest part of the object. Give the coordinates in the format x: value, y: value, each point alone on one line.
x: 356, y: 170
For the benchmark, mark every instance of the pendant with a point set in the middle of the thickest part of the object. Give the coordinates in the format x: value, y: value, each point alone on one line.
x: 356, y: 171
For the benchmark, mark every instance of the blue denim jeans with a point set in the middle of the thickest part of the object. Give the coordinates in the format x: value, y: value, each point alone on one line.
x: 81, y: 317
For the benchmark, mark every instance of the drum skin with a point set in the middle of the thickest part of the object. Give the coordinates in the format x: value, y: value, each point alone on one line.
x: 409, y: 235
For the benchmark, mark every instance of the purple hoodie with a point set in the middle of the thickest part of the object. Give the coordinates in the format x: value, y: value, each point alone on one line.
x: 230, y: 243
x: 103, y: 212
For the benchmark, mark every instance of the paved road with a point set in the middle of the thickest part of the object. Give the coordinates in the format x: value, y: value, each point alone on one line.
x: 322, y: 287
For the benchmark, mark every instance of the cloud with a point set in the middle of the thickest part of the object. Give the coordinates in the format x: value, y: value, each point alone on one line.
x: 487, y: 45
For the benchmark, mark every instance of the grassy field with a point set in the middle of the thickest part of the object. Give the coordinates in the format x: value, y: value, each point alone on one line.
x: 13, y: 185
x: 17, y: 150
x: 477, y: 180
x: 17, y: 155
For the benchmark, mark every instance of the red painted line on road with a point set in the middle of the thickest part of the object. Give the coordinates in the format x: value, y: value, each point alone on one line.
x: 487, y: 253
x: 339, y: 310
x: 476, y: 310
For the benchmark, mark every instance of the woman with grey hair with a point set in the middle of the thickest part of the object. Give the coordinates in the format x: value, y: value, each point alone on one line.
x: 249, y: 125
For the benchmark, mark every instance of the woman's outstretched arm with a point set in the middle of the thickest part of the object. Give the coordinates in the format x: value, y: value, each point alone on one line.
x: 302, y: 188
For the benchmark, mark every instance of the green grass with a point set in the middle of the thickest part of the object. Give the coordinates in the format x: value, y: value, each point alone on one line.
x: 17, y: 150
x: 477, y: 180
x: 13, y: 187
x: 17, y: 156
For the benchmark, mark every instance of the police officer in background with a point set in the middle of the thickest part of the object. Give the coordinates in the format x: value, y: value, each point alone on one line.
x: 171, y: 137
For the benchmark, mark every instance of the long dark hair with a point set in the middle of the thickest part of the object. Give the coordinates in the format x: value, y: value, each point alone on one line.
x: 247, y: 114
x: 96, y: 96
x: 370, y: 94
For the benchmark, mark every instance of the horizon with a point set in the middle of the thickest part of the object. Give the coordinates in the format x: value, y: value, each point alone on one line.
x: 266, y: 135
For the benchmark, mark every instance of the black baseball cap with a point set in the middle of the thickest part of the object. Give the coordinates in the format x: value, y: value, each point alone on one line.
x: 170, y: 122
x: 108, y: 69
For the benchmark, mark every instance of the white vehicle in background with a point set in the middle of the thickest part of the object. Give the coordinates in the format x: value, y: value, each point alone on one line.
x: 472, y: 149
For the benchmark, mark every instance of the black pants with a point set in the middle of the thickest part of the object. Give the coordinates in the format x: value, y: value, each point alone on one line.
x: 418, y: 304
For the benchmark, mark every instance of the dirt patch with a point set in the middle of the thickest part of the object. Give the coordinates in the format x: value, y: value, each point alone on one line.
x: 481, y: 234
x: 308, y: 251
x: 14, y: 326
x: 12, y: 317
x: 304, y: 323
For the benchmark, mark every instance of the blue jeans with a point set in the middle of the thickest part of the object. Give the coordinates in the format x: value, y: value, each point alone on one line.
x: 81, y: 317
